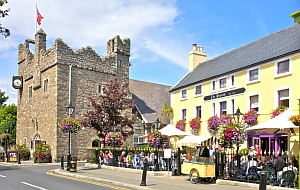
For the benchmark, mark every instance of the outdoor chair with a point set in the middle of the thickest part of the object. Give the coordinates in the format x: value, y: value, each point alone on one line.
x: 252, y: 173
x: 270, y: 174
x: 288, y: 179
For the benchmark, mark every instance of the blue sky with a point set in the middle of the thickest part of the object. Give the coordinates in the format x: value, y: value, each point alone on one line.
x: 161, y: 31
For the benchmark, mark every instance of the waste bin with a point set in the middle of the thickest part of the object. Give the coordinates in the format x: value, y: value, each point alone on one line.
x: 73, y: 164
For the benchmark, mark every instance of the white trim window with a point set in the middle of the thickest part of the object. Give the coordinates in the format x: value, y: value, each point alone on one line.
x: 198, y: 111
x: 284, y: 97
x: 138, y: 140
x: 183, y: 113
x: 223, y: 108
x: 254, y: 102
x: 101, y: 88
x: 213, y: 109
x: 232, y: 106
x: 253, y: 75
x: 213, y: 85
x: 183, y: 94
x: 283, y: 67
x: 232, y: 80
x: 198, y: 90
x: 223, y: 83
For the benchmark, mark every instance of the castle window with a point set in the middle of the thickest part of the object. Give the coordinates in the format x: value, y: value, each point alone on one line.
x: 121, y: 63
x: 30, y: 91
x: 45, y: 85
x: 101, y: 89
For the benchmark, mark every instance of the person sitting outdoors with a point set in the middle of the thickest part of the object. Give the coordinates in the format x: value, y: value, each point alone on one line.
x: 289, y: 167
x: 129, y: 159
x: 101, y: 157
x: 122, y: 159
x: 257, y: 150
x: 261, y: 164
x: 251, y: 163
x: 252, y: 153
x: 106, y: 158
x: 136, y: 162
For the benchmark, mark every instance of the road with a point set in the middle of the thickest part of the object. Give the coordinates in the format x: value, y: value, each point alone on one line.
x: 36, y: 177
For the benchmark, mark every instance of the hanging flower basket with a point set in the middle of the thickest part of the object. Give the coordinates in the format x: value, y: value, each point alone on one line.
x: 277, y: 111
x: 225, y: 120
x: 181, y: 125
x: 195, y: 125
x: 157, y: 140
x: 213, y: 124
x: 250, y: 117
x: 114, y: 139
x: 70, y: 124
x: 295, y: 119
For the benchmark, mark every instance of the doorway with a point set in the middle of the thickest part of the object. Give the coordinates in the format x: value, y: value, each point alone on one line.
x: 265, y: 146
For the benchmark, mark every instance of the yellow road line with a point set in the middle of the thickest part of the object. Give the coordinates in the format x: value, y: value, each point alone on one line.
x: 51, y: 172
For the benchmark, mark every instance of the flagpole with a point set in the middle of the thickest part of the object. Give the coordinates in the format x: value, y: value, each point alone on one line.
x: 36, y: 18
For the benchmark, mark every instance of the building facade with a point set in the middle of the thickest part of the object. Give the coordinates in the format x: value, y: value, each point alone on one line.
x: 54, y: 77
x: 261, y: 75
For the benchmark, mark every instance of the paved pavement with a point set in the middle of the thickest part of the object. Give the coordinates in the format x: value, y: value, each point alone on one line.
x: 132, y: 178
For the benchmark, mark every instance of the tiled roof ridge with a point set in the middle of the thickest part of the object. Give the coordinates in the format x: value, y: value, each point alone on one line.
x: 150, y: 83
x: 244, y: 46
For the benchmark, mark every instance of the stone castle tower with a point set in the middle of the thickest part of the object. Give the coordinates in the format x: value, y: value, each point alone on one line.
x: 54, y: 77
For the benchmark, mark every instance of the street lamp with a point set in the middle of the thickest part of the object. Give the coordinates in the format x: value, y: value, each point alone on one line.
x: 6, y: 137
x: 70, y: 110
x: 157, y: 124
x: 237, y: 116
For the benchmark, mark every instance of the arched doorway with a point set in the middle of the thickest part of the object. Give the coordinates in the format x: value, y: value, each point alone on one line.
x: 96, y: 144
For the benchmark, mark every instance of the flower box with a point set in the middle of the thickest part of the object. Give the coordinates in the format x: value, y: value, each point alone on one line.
x: 195, y: 125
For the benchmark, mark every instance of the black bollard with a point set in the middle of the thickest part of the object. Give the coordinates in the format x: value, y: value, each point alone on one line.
x: 263, y: 180
x: 19, y: 158
x: 97, y: 156
x: 145, y: 162
x: 62, y: 162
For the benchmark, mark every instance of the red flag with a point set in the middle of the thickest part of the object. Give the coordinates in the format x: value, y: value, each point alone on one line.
x: 39, y: 17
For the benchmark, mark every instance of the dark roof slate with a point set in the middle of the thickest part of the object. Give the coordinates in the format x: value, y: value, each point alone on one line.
x: 150, y: 99
x: 271, y: 47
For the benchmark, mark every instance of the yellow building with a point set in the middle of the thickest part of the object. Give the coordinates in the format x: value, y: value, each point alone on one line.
x: 261, y: 75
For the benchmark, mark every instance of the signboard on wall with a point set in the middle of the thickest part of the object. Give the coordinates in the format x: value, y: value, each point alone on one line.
x: 225, y: 94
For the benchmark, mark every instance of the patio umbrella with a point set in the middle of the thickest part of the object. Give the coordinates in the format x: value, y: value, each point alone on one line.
x: 280, y: 123
x: 170, y: 130
x: 192, y: 140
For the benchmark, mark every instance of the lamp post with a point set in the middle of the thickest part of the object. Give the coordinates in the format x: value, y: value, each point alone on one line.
x: 70, y: 110
x: 237, y: 116
x: 157, y: 124
x: 6, y: 137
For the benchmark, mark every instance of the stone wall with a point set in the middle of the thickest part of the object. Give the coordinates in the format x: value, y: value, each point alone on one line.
x: 39, y: 115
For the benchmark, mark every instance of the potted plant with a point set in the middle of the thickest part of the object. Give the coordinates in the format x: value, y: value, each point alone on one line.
x: 195, y: 124
x: 42, y: 154
x: 278, y: 111
x: 181, y: 125
x: 213, y: 124
x: 250, y: 117
x: 23, y: 151
x: 295, y: 119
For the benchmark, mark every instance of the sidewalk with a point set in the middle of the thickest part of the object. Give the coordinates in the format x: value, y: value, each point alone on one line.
x: 131, y: 178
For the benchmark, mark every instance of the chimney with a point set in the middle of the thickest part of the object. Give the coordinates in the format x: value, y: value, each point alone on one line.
x: 296, y: 16
x: 196, y: 56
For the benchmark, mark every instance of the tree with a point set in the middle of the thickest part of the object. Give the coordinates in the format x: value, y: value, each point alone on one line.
x: 110, y: 114
x: 3, y: 98
x: 167, y: 111
x: 8, y: 118
x: 3, y: 13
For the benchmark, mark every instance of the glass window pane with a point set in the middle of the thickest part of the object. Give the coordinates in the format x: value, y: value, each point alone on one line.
x: 283, y: 66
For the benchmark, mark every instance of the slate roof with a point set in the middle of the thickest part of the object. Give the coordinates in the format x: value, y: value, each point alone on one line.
x: 150, y: 99
x: 274, y: 46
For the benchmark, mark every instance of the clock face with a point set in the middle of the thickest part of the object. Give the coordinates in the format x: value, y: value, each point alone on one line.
x: 17, y: 82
